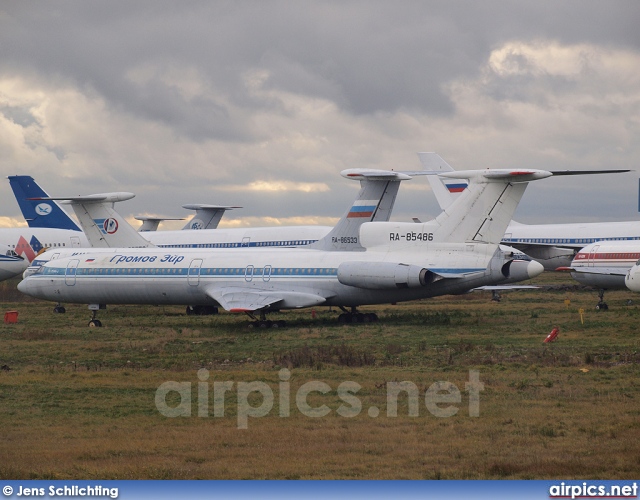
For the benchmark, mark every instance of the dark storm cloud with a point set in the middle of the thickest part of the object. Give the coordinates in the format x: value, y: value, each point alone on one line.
x: 206, y: 72
x: 367, y: 56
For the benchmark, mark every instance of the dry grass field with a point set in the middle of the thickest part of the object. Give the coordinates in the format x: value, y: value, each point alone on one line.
x: 79, y: 403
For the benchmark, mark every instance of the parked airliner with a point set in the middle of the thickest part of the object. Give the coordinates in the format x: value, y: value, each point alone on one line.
x: 553, y: 245
x: 632, y: 279
x: 604, y: 264
x: 374, y: 202
x: 457, y: 251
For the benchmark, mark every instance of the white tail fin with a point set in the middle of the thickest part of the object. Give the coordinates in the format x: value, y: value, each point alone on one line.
x: 374, y: 203
x: 445, y: 191
x: 103, y: 226
x: 206, y: 217
x: 151, y: 223
x: 483, y: 211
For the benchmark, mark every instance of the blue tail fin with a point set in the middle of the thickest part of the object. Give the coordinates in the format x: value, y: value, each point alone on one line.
x: 39, y: 213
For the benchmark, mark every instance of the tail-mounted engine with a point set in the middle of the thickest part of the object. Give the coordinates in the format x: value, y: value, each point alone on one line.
x: 383, y: 275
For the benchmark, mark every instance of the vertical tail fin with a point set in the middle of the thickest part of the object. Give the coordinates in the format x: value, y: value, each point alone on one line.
x: 206, y: 217
x: 375, y: 201
x: 37, y: 212
x: 445, y: 190
x: 103, y: 226
x: 483, y: 212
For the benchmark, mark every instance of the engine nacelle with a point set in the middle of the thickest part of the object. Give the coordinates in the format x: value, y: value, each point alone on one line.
x: 383, y: 275
x: 519, y: 270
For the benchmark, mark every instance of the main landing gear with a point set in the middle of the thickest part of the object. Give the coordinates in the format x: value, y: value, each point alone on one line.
x: 59, y: 309
x: 601, y: 305
x: 201, y: 310
x: 263, y: 322
x: 94, y: 308
x: 354, y: 316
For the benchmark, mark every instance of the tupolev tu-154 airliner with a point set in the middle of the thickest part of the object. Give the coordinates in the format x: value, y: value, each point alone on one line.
x: 51, y: 228
x: 553, y: 245
x: 394, y: 262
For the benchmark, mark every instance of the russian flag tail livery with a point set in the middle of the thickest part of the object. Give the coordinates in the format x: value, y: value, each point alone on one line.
x: 457, y: 187
x: 378, y: 191
x: 38, y: 212
x: 363, y: 208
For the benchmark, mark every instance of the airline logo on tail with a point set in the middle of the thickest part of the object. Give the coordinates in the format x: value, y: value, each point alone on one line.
x: 43, y: 209
x: 107, y: 226
x: 29, y: 249
x: 362, y: 208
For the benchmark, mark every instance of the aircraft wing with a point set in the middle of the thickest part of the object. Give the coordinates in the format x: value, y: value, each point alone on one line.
x: 240, y: 299
x: 608, y: 271
x: 506, y: 287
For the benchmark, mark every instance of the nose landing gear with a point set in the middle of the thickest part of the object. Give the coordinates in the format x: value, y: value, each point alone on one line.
x: 94, y: 308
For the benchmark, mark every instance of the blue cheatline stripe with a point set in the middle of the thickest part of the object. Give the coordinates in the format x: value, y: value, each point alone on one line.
x: 235, y: 244
x: 217, y: 272
x: 184, y: 271
x: 10, y: 258
x: 570, y: 241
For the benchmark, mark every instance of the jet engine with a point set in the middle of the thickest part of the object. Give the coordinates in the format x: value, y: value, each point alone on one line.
x: 519, y: 270
x: 383, y: 275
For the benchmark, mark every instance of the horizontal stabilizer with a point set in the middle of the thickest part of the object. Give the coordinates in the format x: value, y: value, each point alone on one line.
x: 587, y: 172
x: 92, y: 198
x: 200, y: 206
x: 519, y: 175
x: 374, y: 175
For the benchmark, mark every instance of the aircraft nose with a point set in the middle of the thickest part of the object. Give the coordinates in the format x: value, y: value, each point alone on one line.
x: 534, y: 269
x: 632, y: 280
x: 24, y: 287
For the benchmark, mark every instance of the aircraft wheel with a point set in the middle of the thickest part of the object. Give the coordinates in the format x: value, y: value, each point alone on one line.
x: 357, y: 318
x: 190, y: 310
x: 95, y: 323
x: 265, y: 324
x: 279, y: 324
x: 59, y: 310
x: 602, y: 306
x: 344, y: 318
x: 370, y: 318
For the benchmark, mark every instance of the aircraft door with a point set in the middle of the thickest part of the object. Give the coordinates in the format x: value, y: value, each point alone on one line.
x: 245, y: 241
x: 70, y: 272
x: 193, y: 277
x: 248, y: 273
x: 266, y: 273
x: 75, y: 242
x: 592, y: 256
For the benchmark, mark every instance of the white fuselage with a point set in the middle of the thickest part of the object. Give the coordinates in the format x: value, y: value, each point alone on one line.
x: 29, y: 242
x: 632, y: 278
x: 605, y: 264
x: 555, y: 245
x: 301, y: 277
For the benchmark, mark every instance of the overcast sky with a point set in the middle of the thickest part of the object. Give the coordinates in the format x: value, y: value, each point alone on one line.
x: 263, y: 103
